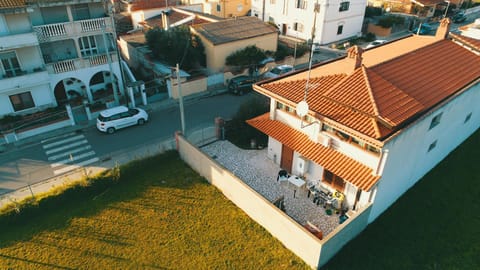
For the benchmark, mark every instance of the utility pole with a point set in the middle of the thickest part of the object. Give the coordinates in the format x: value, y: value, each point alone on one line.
x: 316, y: 9
x: 180, y: 97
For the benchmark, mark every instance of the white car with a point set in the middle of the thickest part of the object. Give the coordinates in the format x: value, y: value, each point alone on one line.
x: 112, y: 119
x: 277, y: 71
x: 375, y: 43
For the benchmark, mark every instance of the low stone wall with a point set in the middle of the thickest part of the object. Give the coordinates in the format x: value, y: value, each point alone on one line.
x: 189, y: 87
x: 290, y: 233
x: 378, y: 30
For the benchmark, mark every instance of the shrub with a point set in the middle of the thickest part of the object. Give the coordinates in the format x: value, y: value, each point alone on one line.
x: 373, y: 11
x: 238, y: 131
x: 248, y: 56
x: 389, y: 21
x: 370, y: 37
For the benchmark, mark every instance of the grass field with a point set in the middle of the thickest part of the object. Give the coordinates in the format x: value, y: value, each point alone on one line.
x: 435, y: 225
x: 159, y: 215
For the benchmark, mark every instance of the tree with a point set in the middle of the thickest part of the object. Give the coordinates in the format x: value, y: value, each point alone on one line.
x: 176, y: 45
x: 247, y: 57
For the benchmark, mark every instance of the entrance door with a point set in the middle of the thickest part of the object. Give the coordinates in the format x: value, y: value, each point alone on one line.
x: 284, y: 29
x: 287, y: 158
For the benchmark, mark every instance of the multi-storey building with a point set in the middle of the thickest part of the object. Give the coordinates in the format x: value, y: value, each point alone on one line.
x: 323, y: 21
x: 53, y: 52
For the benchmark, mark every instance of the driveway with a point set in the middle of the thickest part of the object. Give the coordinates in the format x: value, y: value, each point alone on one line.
x: 260, y: 173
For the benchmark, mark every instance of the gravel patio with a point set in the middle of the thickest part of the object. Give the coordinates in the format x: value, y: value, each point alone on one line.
x: 260, y: 173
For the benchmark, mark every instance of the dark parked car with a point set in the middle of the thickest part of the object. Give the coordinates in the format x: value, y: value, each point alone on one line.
x: 425, y: 29
x: 459, y: 17
x: 241, y: 84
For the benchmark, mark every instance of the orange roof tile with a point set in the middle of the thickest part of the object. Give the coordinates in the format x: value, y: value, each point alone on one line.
x: 378, y: 99
x: 4, y: 4
x: 334, y: 161
x: 471, y: 42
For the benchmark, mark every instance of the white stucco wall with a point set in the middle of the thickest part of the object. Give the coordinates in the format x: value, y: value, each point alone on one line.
x: 274, y: 151
x: 327, y: 19
x: 409, y: 158
x: 18, y: 23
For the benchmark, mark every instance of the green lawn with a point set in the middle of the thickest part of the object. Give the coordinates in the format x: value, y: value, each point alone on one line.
x: 435, y: 225
x: 159, y: 215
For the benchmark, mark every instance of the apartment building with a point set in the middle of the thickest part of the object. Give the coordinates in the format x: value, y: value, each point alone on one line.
x: 56, y: 52
x: 323, y: 21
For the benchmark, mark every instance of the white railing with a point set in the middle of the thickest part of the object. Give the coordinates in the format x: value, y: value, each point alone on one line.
x: 93, y: 25
x: 50, y: 30
x: 64, y: 66
x: 98, y: 60
x: 61, y: 30
x: 79, y: 63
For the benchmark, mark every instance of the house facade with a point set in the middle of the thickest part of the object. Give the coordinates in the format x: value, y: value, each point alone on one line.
x: 55, y: 52
x: 223, y: 38
x: 375, y: 121
x: 321, y: 21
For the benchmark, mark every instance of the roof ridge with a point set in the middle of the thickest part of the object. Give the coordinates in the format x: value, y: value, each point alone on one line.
x: 369, y: 90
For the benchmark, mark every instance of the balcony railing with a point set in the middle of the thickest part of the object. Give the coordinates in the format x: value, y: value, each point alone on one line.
x: 80, y: 63
x: 58, y: 31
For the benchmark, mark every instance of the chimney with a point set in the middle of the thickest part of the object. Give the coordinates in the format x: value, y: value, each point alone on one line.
x: 354, y: 57
x: 443, y: 29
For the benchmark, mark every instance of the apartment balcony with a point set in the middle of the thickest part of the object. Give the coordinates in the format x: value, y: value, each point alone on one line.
x: 14, y: 41
x: 59, y: 31
x: 80, y: 63
x: 25, y: 78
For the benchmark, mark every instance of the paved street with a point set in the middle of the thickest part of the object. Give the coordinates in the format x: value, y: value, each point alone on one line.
x: 62, y: 153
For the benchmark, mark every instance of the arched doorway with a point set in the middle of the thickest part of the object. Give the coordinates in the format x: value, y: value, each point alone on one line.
x: 102, y: 87
x: 70, y: 90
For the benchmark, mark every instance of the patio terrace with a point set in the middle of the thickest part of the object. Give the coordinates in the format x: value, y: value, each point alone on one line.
x: 260, y: 173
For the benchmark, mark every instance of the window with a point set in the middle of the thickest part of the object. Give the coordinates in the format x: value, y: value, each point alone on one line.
x: 432, y: 145
x: 10, y: 64
x: 435, y: 121
x: 298, y: 27
x: 467, y: 118
x: 88, y: 46
x: 219, y: 8
x: 22, y: 101
x: 80, y: 12
x: 344, y: 6
x: 339, y: 29
x: 301, y: 4
x: 333, y: 180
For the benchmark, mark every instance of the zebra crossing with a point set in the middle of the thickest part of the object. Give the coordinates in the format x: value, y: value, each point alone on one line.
x: 68, y: 152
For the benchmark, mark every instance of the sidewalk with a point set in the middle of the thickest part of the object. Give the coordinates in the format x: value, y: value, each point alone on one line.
x: 155, y: 106
x: 200, y: 136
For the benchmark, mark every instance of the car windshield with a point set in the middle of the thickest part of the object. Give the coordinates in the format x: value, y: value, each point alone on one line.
x: 276, y: 71
x: 102, y: 118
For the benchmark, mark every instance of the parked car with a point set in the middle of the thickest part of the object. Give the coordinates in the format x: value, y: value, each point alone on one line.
x: 424, y: 29
x: 459, y: 17
x: 241, y: 84
x: 277, y: 71
x: 112, y: 119
x: 375, y: 43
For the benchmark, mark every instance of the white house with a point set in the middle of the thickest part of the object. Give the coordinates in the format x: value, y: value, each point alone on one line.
x: 56, y: 51
x: 377, y: 120
x: 323, y: 21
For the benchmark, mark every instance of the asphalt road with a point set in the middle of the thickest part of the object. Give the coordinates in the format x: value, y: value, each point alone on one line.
x: 49, y: 157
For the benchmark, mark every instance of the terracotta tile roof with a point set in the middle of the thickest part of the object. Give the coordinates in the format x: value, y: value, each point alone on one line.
x: 4, y: 4
x: 149, y: 4
x: 379, y: 98
x: 347, y: 168
x: 174, y: 17
x: 234, y: 29
x: 474, y: 44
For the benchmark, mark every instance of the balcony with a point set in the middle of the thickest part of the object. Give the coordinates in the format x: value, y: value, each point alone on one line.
x: 59, y: 31
x: 14, y: 41
x: 80, y: 63
x: 28, y: 78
